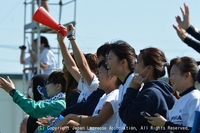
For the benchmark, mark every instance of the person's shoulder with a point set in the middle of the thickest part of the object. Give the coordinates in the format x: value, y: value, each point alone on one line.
x: 60, y: 102
x: 195, y: 94
x: 45, y: 51
x: 50, y: 52
x: 113, y: 94
x: 160, y: 85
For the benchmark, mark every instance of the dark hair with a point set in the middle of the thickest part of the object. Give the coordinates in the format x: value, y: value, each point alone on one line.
x: 185, y: 64
x: 92, y: 61
x: 103, y: 63
x: 198, y: 63
x: 39, y: 79
x: 156, y: 58
x: 102, y: 50
x: 71, y: 83
x: 57, y: 77
x: 124, y: 51
x: 43, y: 40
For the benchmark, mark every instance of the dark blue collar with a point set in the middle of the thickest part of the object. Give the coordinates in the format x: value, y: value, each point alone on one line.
x: 187, y: 91
x: 126, y: 78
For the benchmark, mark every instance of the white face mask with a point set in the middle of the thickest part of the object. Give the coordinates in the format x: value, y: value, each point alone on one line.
x: 137, y: 74
x: 30, y: 92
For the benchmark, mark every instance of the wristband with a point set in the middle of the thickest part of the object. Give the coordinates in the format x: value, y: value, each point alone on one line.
x: 70, y: 35
x: 80, y: 119
x: 12, y: 92
x: 72, y: 39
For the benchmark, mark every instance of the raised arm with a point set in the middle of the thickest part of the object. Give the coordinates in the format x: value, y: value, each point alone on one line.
x: 186, y: 24
x: 7, y: 85
x: 180, y: 32
x: 189, y: 41
x: 68, y: 60
x: 22, y: 54
x: 31, y: 107
x: 194, y: 32
x: 79, y: 56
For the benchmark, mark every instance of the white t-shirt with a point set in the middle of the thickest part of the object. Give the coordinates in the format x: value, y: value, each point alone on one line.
x: 47, y: 57
x: 112, y: 98
x: 183, y: 111
x: 122, y: 90
x: 86, y: 89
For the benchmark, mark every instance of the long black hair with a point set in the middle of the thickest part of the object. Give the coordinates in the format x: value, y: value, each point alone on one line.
x: 40, y: 80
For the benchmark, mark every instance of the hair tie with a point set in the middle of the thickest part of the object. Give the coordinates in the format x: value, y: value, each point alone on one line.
x: 166, y: 64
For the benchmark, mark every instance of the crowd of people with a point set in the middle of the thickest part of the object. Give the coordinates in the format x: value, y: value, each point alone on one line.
x: 112, y: 91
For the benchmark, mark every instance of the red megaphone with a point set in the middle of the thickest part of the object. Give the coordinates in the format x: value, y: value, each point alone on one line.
x: 43, y: 17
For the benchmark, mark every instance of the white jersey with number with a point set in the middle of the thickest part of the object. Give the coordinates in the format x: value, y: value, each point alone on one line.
x: 183, y: 111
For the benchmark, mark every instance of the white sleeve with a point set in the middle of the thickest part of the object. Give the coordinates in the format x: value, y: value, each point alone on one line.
x: 193, y: 106
x: 94, y: 84
x: 113, y: 99
x: 44, y: 57
x: 27, y: 60
x: 92, y: 87
x: 80, y: 84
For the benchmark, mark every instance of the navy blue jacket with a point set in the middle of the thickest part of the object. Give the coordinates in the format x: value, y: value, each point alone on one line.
x: 87, y: 107
x: 155, y: 97
x: 190, y: 42
x: 84, y: 108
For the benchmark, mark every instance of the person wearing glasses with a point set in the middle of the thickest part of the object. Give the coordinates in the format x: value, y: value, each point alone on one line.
x: 55, y: 87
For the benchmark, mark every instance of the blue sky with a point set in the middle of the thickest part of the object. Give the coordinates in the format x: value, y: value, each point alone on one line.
x: 142, y: 24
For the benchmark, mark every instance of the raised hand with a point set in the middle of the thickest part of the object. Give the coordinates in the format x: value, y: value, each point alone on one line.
x: 60, y: 37
x: 185, y: 23
x: 7, y: 85
x: 181, y: 32
x: 136, y: 82
x: 70, y: 29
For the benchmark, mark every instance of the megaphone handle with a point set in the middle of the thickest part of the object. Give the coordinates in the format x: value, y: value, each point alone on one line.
x: 62, y: 30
